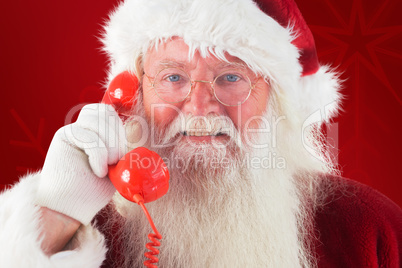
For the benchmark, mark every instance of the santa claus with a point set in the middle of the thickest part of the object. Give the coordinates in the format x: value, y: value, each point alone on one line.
x: 231, y: 96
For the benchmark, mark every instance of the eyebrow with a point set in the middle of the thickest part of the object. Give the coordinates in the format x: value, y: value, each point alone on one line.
x: 232, y: 65
x: 183, y: 64
x: 172, y: 63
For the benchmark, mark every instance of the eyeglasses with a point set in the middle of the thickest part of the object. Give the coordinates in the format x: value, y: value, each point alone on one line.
x: 231, y: 87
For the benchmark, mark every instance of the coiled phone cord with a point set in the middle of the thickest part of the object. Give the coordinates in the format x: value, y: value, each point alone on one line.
x: 154, y: 237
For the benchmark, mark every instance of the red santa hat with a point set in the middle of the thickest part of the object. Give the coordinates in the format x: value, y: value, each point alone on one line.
x: 270, y: 36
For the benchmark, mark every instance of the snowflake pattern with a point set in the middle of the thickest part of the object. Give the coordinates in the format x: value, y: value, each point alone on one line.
x: 34, y: 141
x: 357, y: 42
x: 362, y: 41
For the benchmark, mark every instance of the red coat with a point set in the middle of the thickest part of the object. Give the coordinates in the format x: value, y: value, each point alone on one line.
x: 359, y: 227
x: 356, y: 227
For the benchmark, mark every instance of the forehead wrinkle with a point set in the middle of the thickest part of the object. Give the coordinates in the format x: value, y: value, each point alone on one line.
x: 231, y: 65
x: 192, y: 64
x: 187, y: 65
x: 171, y: 63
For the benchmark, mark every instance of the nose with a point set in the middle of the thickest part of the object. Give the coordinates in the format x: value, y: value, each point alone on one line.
x: 201, y: 100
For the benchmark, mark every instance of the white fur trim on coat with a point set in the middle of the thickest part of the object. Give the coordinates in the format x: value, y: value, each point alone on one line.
x: 19, y: 234
x: 214, y: 27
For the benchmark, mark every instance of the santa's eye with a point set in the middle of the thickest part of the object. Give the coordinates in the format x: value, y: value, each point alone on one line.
x: 231, y: 77
x: 173, y: 78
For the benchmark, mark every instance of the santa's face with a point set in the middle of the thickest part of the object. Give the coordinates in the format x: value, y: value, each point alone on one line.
x: 251, y: 204
x: 201, y: 101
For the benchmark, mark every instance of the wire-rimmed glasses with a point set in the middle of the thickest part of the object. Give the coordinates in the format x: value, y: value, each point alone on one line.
x: 231, y: 87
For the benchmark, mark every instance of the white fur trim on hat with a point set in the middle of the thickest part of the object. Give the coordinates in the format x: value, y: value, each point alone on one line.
x: 214, y: 27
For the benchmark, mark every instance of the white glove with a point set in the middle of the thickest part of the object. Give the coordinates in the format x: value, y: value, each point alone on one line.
x: 74, y: 178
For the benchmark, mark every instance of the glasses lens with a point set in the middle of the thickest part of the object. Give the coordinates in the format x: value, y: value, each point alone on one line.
x: 232, y: 87
x: 172, y: 85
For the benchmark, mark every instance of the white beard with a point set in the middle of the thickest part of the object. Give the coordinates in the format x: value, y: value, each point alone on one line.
x: 239, y: 216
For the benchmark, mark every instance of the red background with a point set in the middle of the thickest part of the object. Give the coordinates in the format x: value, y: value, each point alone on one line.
x: 50, y: 62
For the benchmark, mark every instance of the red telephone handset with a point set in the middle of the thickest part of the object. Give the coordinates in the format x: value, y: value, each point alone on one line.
x: 121, y: 93
x: 139, y: 182
x: 148, y: 177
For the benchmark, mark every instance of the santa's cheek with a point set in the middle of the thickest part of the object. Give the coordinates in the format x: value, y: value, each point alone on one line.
x: 241, y: 116
x: 162, y: 114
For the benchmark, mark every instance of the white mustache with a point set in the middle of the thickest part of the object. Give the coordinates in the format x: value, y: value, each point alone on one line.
x: 210, y: 125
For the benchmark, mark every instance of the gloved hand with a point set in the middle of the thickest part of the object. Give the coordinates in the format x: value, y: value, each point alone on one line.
x: 74, y: 179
